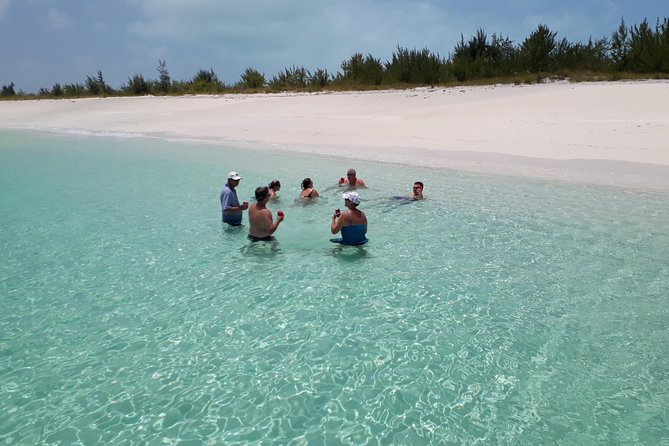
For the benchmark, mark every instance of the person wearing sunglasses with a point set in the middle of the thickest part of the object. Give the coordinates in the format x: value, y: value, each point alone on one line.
x: 417, y: 191
x: 351, y: 181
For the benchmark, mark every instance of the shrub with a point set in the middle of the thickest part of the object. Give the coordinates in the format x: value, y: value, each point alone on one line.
x: 96, y: 86
x: 251, y: 79
x: 56, y: 90
x: 415, y: 67
x: 8, y: 90
x: 361, y: 70
x: 206, y: 81
x: 137, y: 86
x: 293, y: 77
x: 74, y: 90
x: 320, y: 78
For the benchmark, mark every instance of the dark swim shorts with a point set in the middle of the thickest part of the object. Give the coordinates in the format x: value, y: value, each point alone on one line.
x: 253, y: 238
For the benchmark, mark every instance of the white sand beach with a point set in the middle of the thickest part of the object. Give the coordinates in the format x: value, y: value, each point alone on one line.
x: 608, y: 133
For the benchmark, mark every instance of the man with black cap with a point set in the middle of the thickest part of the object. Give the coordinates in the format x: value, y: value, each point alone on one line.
x: 230, y: 207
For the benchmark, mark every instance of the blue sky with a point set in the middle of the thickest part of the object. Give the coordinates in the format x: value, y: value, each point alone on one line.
x: 43, y: 42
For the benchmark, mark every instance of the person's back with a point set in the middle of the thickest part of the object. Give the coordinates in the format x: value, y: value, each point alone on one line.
x: 352, y: 223
x: 308, y: 190
x: 354, y: 234
x: 274, y: 187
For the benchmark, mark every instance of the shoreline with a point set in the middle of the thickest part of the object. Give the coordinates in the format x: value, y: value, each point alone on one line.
x: 610, y: 133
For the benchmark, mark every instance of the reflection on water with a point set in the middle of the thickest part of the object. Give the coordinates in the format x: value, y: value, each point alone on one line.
x: 261, y: 249
x: 350, y: 253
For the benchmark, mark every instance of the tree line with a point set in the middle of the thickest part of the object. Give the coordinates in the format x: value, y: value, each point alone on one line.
x: 635, y: 50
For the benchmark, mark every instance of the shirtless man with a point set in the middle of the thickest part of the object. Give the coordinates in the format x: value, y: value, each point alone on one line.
x: 417, y: 191
x: 351, y: 181
x: 260, y: 218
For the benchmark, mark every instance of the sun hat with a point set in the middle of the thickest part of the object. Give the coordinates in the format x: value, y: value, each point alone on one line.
x: 353, y: 197
x: 234, y: 176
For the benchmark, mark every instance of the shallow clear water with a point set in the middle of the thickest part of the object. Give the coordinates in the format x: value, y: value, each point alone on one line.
x: 498, y: 311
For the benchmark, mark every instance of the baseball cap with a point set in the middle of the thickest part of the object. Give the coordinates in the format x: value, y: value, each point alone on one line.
x: 234, y: 176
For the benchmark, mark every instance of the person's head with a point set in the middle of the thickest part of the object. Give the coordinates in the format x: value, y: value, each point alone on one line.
x: 275, y: 185
x: 417, y: 187
x: 262, y: 193
x: 233, y: 179
x: 307, y: 183
x: 350, y: 174
x: 351, y: 199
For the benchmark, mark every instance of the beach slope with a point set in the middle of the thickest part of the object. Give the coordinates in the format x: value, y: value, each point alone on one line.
x: 608, y: 132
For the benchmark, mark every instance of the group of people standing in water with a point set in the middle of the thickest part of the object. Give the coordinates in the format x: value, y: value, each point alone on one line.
x: 352, y: 223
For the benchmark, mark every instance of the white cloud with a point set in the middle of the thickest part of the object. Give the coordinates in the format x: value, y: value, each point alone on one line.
x: 267, y: 34
x: 58, y: 19
x: 4, y: 6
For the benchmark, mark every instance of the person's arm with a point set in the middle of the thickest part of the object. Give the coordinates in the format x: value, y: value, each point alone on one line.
x: 337, y: 223
x: 235, y: 209
x: 271, y: 227
x: 360, y: 183
x: 314, y: 193
x: 226, y: 201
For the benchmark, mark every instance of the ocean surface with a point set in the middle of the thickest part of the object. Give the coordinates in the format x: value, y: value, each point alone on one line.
x: 500, y: 310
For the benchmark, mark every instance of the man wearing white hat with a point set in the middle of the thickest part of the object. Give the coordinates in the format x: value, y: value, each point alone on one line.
x: 230, y: 207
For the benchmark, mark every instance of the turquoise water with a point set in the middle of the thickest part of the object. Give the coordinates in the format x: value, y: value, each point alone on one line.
x: 498, y: 311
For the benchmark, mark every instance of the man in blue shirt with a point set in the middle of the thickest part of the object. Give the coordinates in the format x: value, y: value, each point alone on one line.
x: 230, y: 207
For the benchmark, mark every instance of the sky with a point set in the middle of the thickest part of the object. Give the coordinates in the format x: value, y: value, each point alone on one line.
x: 44, y: 42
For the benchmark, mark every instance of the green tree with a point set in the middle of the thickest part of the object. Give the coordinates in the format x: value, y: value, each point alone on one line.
x: 206, y: 81
x: 413, y: 66
x: 537, y: 51
x: 648, y: 51
x: 319, y: 78
x: 137, y: 86
x: 361, y: 70
x: 57, y: 90
x: 620, y: 46
x: 96, y: 85
x: 480, y: 58
x: 294, y: 77
x: 251, y: 79
x: 74, y: 90
x: 8, y: 90
x: 164, y: 80
x: 663, y: 50
x: 502, y: 54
